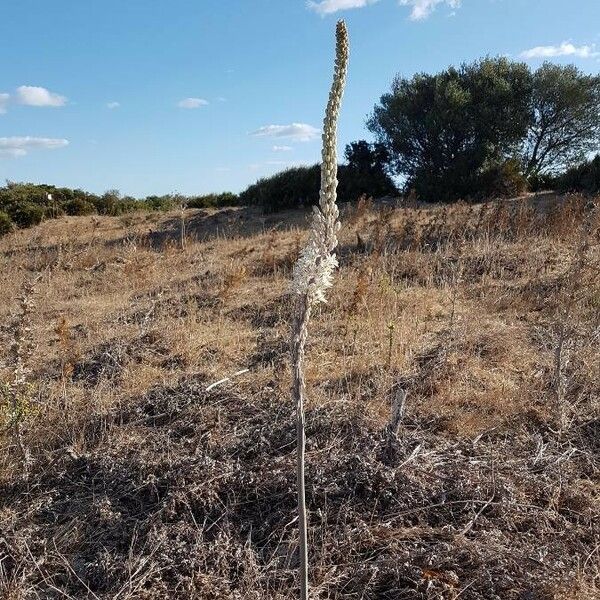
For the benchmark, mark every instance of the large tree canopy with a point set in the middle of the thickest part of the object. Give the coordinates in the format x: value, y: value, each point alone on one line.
x: 565, y: 119
x: 440, y: 130
x: 452, y: 133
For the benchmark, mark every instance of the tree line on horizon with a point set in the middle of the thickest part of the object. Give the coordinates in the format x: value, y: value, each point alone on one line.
x: 26, y: 204
x: 487, y: 129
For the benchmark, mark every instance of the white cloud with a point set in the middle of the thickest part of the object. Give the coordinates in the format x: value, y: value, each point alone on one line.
x: 38, y: 96
x: 20, y: 146
x: 4, y: 98
x: 192, y: 103
x: 288, y: 164
x: 300, y: 132
x: 270, y: 166
x: 564, y: 49
x: 327, y: 7
x: 278, y: 163
x: 421, y: 9
x: 112, y: 105
x: 282, y: 148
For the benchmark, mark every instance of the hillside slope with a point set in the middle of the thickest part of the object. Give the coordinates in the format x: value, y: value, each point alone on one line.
x: 141, y: 484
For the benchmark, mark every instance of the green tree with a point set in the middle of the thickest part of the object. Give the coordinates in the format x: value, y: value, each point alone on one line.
x: 443, y: 131
x: 584, y: 177
x: 363, y: 157
x: 365, y: 172
x: 565, y: 119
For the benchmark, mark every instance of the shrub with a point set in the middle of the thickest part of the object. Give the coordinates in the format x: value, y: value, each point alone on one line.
x: 79, y: 207
x: 17, y: 193
x: 109, y: 203
x: 27, y: 204
x: 26, y: 214
x: 6, y: 224
x: 539, y: 182
x: 503, y: 181
x: 159, y: 203
x: 213, y: 200
x: 582, y: 178
x: 299, y: 186
x: 496, y: 180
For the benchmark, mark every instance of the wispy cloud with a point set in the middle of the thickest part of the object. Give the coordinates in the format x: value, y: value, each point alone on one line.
x: 327, y: 7
x: 278, y: 165
x: 31, y: 95
x: 282, y: 148
x: 300, y: 132
x: 20, y: 146
x: 4, y: 99
x: 421, y: 9
x: 192, y: 103
x: 564, y: 49
x: 113, y: 105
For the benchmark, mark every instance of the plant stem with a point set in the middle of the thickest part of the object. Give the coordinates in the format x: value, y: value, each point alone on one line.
x: 300, y: 334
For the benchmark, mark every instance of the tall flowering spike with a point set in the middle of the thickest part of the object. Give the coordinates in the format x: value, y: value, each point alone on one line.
x: 313, y: 276
x: 313, y: 273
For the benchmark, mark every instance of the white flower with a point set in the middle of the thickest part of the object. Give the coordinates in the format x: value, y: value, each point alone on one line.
x: 313, y: 272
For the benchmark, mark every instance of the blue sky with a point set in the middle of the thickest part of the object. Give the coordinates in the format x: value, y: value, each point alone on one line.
x: 194, y: 96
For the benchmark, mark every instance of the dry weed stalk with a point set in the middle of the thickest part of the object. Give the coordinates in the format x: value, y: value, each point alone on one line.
x: 66, y: 352
x: 572, y: 287
x: 363, y: 206
x: 293, y: 253
x: 482, y: 213
x: 182, y: 206
x: 17, y: 393
x: 398, y: 408
x: 381, y: 231
x: 313, y: 275
x: 360, y: 291
x: 233, y: 278
x: 391, y: 327
x: 268, y: 260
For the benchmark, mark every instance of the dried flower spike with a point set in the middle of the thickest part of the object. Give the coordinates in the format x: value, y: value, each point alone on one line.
x: 313, y: 276
x: 313, y: 273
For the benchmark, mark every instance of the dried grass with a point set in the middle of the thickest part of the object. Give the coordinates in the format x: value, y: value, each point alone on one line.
x: 143, y: 486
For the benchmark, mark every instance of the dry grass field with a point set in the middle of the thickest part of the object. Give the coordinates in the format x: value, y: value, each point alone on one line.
x: 140, y: 484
